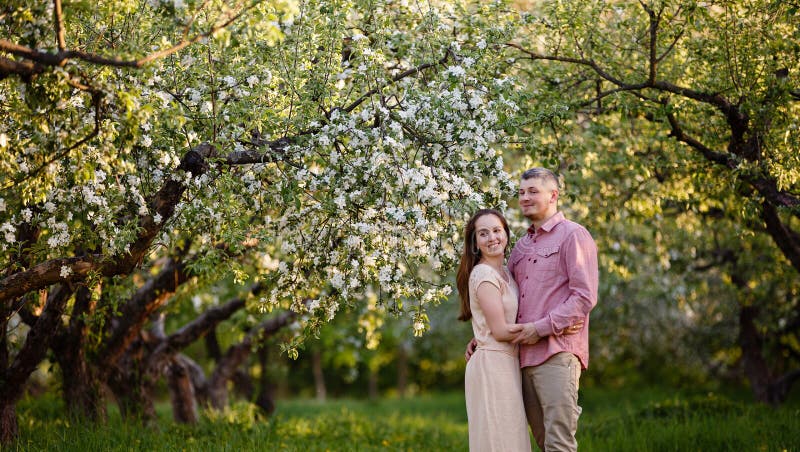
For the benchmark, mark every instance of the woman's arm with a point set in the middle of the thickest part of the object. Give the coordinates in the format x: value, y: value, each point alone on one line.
x: 490, y: 301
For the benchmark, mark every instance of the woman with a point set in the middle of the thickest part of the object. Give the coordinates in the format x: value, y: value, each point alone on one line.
x: 493, y: 386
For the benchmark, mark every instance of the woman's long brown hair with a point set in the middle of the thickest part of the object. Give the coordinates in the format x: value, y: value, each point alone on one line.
x: 470, y: 258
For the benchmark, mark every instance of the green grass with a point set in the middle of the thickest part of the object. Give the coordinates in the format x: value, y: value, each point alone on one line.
x: 654, y: 419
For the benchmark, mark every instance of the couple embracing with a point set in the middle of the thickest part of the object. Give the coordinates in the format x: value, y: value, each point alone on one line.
x: 530, y: 320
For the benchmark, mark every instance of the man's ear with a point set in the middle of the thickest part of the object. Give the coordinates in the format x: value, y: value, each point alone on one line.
x: 554, y: 196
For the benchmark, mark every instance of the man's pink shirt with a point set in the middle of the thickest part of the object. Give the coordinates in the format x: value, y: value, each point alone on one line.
x: 556, y: 270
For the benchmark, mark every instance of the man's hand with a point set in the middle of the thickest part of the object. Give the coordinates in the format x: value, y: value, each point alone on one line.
x: 470, y: 349
x: 528, y: 335
x: 573, y: 328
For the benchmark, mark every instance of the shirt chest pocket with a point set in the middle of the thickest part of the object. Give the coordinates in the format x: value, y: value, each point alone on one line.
x: 546, y: 263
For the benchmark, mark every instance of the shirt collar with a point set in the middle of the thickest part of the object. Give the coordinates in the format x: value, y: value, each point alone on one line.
x: 549, y: 224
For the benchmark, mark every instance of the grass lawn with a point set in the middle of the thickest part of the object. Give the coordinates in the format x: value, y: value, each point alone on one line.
x: 654, y: 419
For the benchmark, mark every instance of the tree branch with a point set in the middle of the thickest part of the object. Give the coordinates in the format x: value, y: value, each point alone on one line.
x: 202, y: 324
x: 786, y: 239
x: 163, y: 203
x: 134, y: 312
x: 238, y: 353
x: 36, y: 344
x: 96, y: 98
x: 583, y: 62
x: 58, y: 19
x: 717, y: 157
x: 62, y: 57
x: 396, y: 78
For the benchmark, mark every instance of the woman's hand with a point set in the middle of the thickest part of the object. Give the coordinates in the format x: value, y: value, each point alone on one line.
x: 528, y: 335
x: 470, y: 349
x: 514, y: 328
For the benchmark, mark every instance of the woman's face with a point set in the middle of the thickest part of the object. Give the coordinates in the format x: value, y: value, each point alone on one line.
x: 490, y: 236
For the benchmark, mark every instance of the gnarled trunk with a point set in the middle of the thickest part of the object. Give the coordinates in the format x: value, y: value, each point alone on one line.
x: 82, y: 392
x: 80, y: 385
x: 13, y: 378
x: 181, y: 392
x: 131, y: 387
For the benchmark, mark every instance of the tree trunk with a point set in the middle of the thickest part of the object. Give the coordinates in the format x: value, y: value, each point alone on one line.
x: 319, y: 376
x: 402, y: 370
x: 197, y: 377
x: 130, y: 385
x: 82, y: 392
x: 9, y: 430
x: 266, y: 390
x: 81, y: 388
x: 182, y: 394
x: 755, y: 367
x: 37, y: 342
x: 372, y: 383
x: 766, y: 388
x: 237, y: 354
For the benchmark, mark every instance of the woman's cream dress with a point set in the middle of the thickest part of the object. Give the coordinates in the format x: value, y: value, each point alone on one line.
x: 492, y: 381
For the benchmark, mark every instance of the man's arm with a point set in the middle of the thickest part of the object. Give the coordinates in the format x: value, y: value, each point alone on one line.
x: 580, y: 253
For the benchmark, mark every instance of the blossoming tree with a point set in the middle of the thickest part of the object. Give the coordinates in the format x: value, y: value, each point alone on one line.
x: 322, y: 152
x: 680, y: 122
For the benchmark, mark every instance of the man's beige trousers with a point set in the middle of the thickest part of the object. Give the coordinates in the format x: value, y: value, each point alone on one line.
x: 550, y: 392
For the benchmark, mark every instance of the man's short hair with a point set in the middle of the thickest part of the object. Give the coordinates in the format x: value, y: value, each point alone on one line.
x: 541, y: 173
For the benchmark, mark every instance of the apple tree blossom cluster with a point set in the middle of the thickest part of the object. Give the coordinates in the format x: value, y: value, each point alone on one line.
x: 377, y: 126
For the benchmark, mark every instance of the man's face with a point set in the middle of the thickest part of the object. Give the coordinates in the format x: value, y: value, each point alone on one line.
x: 537, y: 198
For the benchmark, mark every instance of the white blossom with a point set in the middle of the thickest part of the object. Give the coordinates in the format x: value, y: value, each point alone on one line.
x: 9, y: 232
x: 337, y: 280
x: 456, y: 71
x: 65, y: 271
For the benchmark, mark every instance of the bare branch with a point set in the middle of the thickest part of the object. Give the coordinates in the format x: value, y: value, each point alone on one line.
x: 200, y: 326
x: 583, y: 62
x: 710, y: 154
x: 58, y: 19
x: 653, y: 62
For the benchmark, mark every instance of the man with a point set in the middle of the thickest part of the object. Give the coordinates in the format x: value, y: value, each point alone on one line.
x: 555, y: 267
